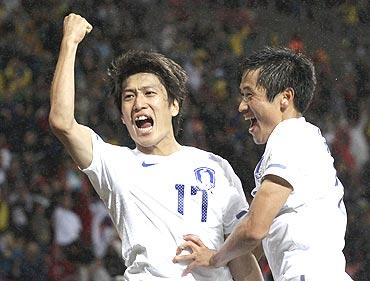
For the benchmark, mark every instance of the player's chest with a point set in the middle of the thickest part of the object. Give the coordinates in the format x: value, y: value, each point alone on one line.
x: 186, y: 189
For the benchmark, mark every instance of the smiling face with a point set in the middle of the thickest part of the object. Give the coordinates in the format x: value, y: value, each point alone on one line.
x: 263, y: 114
x: 147, y: 114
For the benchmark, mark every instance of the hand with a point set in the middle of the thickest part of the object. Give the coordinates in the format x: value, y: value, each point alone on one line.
x: 75, y: 28
x: 199, y: 255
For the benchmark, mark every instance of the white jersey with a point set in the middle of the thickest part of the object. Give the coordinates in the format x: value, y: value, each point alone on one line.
x: 155, y: 200
x: 306, y: 239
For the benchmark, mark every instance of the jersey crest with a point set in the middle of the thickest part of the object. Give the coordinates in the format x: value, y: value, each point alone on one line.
x: 205, y: 178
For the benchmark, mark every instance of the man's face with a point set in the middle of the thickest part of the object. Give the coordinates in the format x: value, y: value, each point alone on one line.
x: 146, y: 112
x: 255, y: 106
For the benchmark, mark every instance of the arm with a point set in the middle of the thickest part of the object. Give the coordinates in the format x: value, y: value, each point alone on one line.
x: 245, y: 268
x: 258, y: 252
x: 247, y: 235
x: 75, y: 137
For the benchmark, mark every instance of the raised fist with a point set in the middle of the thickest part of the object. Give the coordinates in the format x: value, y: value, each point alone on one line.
x: 75, y: 28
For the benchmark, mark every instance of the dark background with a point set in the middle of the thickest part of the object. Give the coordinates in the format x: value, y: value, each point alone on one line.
x: 207, y: 38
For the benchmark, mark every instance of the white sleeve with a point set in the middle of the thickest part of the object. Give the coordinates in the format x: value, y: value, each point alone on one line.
x: 98, y: 171
x: 237, y: 205
x: 284, y: 160
x: 106, y: 167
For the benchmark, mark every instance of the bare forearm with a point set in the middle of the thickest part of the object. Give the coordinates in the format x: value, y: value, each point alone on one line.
x: 254, y: 227
x: 236, y: 252
x: 63, y: 87
x: 237, y: 244
x: 245, y: 268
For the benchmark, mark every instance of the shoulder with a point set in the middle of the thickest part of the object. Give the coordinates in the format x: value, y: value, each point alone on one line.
x: 201, y: 154
x: 292, y: 132
x: 221, y: 164
x: 110, y: 148
x: 208, y: 159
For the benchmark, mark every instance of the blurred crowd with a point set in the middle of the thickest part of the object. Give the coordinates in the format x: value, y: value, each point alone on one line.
x: 52, y: 225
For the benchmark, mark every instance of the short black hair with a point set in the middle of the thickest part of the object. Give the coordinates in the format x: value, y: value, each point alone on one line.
x: 171, y: 75
x: 281, y: 68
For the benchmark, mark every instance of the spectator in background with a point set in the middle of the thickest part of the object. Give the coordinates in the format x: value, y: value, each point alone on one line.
x: 40, y: 225
x: 32, y: 266
x: 66, y: 223
x: 5, y: 158
x: 296, y: 44
x: 4, y: 211
x: 67, y: 230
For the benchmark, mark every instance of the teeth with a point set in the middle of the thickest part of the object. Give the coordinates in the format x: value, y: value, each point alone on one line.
x: 142, y: 117
x: 145, y: 129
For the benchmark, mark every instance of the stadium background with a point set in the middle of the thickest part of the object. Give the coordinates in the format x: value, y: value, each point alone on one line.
x: 207, y: 38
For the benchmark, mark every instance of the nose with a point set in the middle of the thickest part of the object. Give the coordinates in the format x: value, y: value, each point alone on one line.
x: 243, y: 106
x: 140, y: 102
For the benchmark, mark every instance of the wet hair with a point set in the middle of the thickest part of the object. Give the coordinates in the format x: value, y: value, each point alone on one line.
x: 170, y: 74
x: 281, y: 68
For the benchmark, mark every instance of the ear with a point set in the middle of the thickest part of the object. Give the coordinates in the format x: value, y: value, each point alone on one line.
x: 175, y: 108
x: 287, y: 98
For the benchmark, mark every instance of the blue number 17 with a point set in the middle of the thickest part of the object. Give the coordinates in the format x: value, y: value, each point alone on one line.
x: 194, y: 190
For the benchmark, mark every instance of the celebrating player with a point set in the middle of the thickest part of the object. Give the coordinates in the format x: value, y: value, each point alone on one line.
x: 160, y: 190
x: 297, y: 211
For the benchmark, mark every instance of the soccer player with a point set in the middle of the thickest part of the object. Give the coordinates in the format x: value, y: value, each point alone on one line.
x: 297, y: 210
x: 160, y: 190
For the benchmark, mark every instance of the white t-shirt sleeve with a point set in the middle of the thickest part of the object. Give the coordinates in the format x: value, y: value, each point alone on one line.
x: 108, y: 163
x: 98, y: 171
x: 296, y: 152
x: 237, y: 205
x: 284, y: 160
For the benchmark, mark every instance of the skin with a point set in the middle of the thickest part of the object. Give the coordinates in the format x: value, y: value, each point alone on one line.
x: 75, y: 137
x: 243, y: 268
x: 254, y: 104
x: 142, y: 95
x: 274, y: 191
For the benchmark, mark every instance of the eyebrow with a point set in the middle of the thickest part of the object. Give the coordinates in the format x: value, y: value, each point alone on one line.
x: 141, y: 89
x: 246, y: 88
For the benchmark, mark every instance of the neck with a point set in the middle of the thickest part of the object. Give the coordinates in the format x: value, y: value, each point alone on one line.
x: 162, y: 149
x: 291, y: 113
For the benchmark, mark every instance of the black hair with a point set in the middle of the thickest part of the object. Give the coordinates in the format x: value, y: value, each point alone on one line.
x: 171, y: 75
x: 281, y: 68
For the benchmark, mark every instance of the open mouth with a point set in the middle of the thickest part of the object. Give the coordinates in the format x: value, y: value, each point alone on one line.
x: 143, y: 122
x: 253, y: 123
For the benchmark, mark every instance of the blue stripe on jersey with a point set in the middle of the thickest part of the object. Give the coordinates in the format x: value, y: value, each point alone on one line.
x: 276, y: 166
x: 242, y: 213
x: 302, y: 278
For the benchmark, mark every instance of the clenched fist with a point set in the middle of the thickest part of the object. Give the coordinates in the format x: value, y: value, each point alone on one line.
x: 75, y: 28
